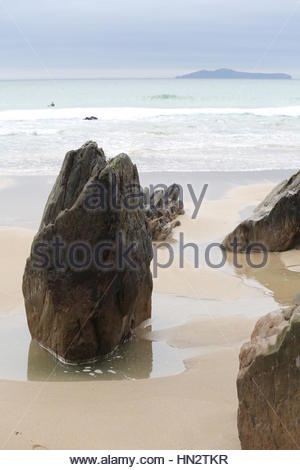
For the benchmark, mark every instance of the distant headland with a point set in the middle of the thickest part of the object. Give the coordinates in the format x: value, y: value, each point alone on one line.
x: 231, y: 74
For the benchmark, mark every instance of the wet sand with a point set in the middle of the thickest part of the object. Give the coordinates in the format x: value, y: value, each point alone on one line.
x: 14, y: 249
x: 205, y: 313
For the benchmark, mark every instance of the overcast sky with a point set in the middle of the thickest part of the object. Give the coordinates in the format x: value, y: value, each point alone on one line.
x: 127, y: 38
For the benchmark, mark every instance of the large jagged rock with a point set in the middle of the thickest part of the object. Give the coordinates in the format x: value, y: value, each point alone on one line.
x: 268, y: 383
x: 162, y: 208
x: 79, y: 313
x: 275, y: 222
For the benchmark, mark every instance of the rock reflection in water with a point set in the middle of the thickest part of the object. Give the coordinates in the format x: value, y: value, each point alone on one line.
x: 275, y: 276
x: 137, y: 359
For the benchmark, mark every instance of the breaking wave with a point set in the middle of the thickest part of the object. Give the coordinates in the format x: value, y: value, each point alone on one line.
x: 166, y: 96
x: 126, y: 113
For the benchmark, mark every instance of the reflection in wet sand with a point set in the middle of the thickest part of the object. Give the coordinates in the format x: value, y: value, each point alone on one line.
x: 137, y: 359
x: 140, y: 358
x: 282, y: 282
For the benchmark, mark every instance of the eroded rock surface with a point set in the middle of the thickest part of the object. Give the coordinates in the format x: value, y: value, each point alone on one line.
x: 82, y: 309
x: 275, y: 222
x: 162, y: 208
x: 268, y: 383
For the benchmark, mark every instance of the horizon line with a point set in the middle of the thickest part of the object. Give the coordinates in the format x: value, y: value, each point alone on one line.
x: 175, y: 75
x: 49, y: 79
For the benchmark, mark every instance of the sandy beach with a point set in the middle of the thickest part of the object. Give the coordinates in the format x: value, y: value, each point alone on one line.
x: 204, y: 313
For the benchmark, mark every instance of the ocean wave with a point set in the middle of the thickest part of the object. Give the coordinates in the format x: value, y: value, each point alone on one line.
x: 52, y: 172
x: 9, y: 133
x: 138, y: 113
x: 167, y: 96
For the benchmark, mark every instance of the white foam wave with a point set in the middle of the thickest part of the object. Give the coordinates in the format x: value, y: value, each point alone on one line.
x: 138, y: 113
x: 8, y: 133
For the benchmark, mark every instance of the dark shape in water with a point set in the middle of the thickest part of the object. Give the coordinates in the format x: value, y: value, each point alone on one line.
x: 136, y: 359
x: 132, y: 360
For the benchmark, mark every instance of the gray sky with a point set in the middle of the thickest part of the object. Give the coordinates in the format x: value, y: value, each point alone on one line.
x: 126, y: 38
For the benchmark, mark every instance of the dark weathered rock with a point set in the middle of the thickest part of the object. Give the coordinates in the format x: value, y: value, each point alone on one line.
x: 162, y: 207
x: 79, y: 314
x: 275, y: 223
x: 268, y: 383
x: 91, y: 118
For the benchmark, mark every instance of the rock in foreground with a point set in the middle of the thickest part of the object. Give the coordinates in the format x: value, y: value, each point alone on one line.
x: 268, y: 383
x: 82, y: 309
x: 275, y: 223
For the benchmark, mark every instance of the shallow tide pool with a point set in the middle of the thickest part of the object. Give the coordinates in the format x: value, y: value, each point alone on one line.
x: 23, y: 359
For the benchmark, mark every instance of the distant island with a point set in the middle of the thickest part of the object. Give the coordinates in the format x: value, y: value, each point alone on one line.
x: 230, y: 74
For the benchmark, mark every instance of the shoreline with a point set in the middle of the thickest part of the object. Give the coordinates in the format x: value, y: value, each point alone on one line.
x: 33, y: 190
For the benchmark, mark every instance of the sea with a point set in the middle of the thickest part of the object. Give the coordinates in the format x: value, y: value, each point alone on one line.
x: 163, y: 124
